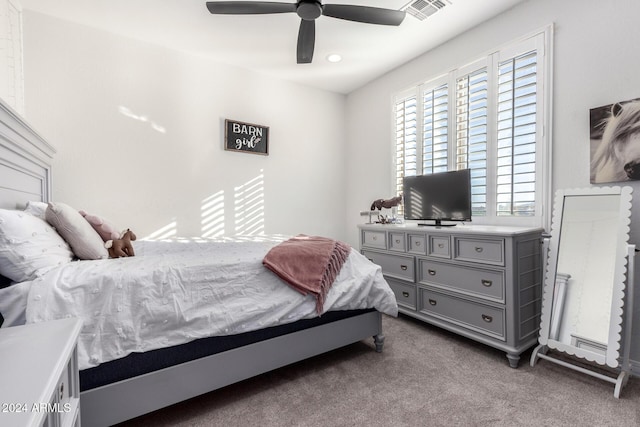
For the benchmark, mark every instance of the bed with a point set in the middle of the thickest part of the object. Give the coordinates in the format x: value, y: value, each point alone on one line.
x: 183, y: 360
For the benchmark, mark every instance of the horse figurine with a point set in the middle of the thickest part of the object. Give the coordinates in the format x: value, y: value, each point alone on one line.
x: 388, y: 203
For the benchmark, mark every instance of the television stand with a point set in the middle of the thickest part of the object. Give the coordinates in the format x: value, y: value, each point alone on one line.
x: 438, y: 223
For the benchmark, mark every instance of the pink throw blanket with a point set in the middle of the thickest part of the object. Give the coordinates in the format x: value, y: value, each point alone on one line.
x: 310, y: 264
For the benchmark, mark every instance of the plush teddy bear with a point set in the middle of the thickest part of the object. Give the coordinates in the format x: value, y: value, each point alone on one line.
x: 105, y: 229
x: 122, y: 246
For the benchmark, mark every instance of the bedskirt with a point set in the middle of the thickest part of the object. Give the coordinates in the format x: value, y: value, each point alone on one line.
x: 136, y: 364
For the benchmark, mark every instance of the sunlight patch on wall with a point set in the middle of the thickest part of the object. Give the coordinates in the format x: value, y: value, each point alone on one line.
x: 212, y: 215
x: 141, y: 118
x: 249, y: 206
x: 167, y: 232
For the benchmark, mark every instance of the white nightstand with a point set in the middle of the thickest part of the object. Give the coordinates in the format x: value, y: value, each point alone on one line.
x: 39, y: 374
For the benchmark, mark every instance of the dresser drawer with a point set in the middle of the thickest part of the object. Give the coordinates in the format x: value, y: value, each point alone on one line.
x: 488, y: 251
x: 469, y: 314
x: 374, y: 239
x: 479, y: 282
x: 63, y: 390
x: 68, y: 391
x: 405, y: 293
x: 417, y: 244
x: 439, y: 246
x: 396, y: 242
x: 398, y: 266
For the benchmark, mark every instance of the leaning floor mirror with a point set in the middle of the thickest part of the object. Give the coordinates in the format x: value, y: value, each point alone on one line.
x: 584, y: 290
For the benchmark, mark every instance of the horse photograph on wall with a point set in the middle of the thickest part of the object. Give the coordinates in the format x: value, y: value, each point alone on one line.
x: 615, y: 142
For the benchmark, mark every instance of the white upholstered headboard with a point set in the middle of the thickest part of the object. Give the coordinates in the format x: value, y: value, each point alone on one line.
x: 25, y: 161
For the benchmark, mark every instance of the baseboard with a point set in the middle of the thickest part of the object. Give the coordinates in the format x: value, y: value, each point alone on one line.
x: 635, y: 368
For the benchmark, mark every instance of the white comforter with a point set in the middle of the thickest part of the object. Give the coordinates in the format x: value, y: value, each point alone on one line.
x: 174, y: 292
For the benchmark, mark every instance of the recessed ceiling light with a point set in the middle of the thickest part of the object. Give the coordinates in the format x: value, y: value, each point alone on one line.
x: 334, y: 57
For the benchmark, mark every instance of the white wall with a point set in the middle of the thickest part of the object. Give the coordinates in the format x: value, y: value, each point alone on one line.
x: 139, y: 134
x: 595, y: 64
x: 77, y: 78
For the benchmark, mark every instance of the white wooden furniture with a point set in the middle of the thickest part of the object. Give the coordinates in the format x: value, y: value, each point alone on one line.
x: 25, y: 161
x: 585, y: 312
x: 482, y: 282
x: 39, y: 371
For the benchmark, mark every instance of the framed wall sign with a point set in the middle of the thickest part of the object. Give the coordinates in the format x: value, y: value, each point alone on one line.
x: 246, y: 137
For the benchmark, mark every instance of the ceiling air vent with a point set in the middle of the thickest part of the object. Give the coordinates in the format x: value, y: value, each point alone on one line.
x: 422, y: 9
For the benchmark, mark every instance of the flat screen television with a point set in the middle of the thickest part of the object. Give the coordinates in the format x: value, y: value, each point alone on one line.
x: 444, y: 196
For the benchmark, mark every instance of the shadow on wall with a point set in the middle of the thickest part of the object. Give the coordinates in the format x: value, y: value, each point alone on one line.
x: 212, y: 215
x: 249, y: 207
x: 248, y: 213
x: 167, y: 232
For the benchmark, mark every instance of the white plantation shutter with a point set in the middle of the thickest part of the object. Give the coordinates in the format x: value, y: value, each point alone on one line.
x: 435, y: 138
x: 516, y: 157
x: 406, y: 139
x: 471, y: 134
x: 489, y: 117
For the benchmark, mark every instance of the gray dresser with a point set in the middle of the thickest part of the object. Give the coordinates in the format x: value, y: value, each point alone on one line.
x: 482, y: 282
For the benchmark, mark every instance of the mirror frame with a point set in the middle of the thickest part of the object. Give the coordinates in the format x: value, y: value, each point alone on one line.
x: 612, y: 354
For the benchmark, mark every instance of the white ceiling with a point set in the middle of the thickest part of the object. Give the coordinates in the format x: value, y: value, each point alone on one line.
x: 267, y: 43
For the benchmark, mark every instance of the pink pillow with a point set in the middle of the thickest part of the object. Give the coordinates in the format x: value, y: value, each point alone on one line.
x: 105, y: 229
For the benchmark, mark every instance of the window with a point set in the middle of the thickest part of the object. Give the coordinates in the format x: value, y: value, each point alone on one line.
x: 471, y: 134
x: 487, y: 116
x: 516, y: 154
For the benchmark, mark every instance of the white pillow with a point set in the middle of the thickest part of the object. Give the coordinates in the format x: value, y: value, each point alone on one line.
x: 29, y: 247
x: 85, y: 242
x: 36, y: 209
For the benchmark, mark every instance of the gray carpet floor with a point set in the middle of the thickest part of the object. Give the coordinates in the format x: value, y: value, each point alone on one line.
x: 424, y: 377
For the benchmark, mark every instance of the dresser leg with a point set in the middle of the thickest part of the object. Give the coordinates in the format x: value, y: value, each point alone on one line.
x: 513, y: 360
x: 379, y: 342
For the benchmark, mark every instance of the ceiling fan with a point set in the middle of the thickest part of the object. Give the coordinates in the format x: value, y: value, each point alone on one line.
x: 309, y: 11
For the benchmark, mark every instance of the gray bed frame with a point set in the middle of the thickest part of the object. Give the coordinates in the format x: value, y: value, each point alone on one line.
x: 25, y: 174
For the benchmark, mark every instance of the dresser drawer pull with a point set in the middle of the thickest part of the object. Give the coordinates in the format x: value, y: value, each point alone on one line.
x: 405, y: 294
x: 432, y: 301
x: 398, y: 241
x: 479, y: 249
x: 487, y: 283
x: 375, y: 237
x: 418, y: 243
x: 404, y: 267
x: 487, y: 319
x: 61, y: 390
x: 441, y: 245
x: 431, y: 272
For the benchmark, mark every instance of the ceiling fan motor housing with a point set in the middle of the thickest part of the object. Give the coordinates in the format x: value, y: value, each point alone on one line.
x: 309, y: 10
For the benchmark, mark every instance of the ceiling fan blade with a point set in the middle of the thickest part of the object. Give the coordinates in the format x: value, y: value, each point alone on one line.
x: 249, y: 7
x: 306, y: 41
x: 366, y: 14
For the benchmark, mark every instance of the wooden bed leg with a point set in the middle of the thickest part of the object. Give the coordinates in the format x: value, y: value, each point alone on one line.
x: 379, y: 342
